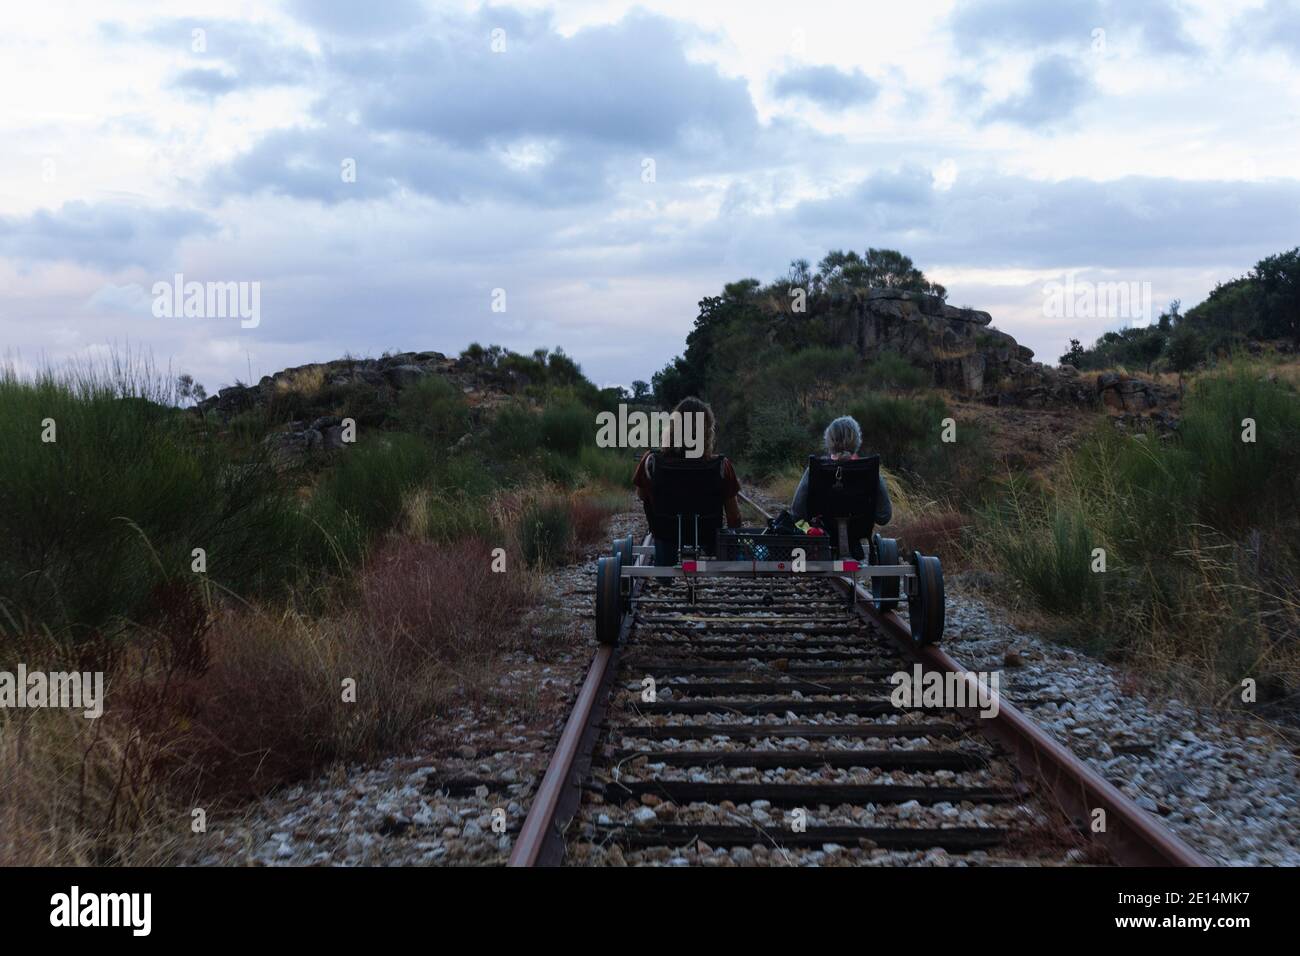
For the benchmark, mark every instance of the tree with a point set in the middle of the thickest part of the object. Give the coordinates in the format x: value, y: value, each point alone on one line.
x: 1074, y: 355
x: 1146, y: 344
x: 1184, y: 351
x: 640, y: 391
x: 890, y: 269
x: 880, y: 269
x: 672, y: 383
x: 800, y: 273
x: 189, y: 390
x: 1170, y: 317
x: 1278, y: 280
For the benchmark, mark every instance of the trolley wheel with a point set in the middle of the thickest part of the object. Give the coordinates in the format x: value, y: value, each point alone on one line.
x: 885, y: 590
x: 609, y: 602
x: 623, y: 548
x: 925, y: 607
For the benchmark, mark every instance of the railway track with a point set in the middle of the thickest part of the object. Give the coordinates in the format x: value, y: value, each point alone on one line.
x: 754, y: 725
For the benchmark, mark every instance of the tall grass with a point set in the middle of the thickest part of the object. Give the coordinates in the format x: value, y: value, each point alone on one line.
x: 1199, y: 533
x: 220, y: 684
x: 117, y: 501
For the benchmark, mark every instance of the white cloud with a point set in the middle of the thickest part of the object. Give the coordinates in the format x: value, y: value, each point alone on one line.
x: 992, y: 156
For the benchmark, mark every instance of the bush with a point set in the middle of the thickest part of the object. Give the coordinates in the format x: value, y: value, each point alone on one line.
x: 467, y: 475
x: 776, y: 439
x: 265, y: 711
x: 446, y: 516
x: 1242, y: 483
x: 441, y: 603
x: 567, y: 427
x: 889, y: 370
x: 435, y: 409
x: 363, y: 494
x: 1049, y: 550
x: 92, y: 522
x: 589, y: 519
x: 513, y: 433
x: 545, y: 532
x: 936, y: 531
x: 611, y: 467
x: 901, y: 430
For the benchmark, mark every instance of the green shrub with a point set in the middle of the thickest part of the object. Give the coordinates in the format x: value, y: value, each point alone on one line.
x: 567, y: 427
x: 435, y: 409
x: 513, y: 433
x: 545, y: 532
x: 607, y: 466
x: 889, y: 370
x: 466, y: 474
x: 92, y: 522
x: 1199, y: 531
x: 363, y: 494
x: 457, y: 516
x: 776, y: 439
x: 1048, y: 549
x: 1242, y: 482
x: 901, y: 430
x: 368, y: 405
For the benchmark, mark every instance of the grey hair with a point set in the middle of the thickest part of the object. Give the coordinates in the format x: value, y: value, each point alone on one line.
x: 843, y: 436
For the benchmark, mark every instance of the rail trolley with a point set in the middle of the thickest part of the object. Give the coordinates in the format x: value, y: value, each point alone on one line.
x: 687, y: 514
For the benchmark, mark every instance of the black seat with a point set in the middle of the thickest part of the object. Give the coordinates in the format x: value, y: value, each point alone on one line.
x: 843, y: 495
x: 687, y: 501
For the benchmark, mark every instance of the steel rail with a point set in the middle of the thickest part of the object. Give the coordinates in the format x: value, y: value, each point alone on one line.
x: 541, y: 841
x: 1131, y: 836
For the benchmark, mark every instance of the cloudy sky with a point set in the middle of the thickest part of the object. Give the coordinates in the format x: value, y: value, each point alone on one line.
x: 608, y: 164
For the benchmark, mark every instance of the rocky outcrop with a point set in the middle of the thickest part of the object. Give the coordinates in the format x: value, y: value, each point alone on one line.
x: 304, y: 407
x: 961, y: 351
x: 959, y: 346
x: 1126, y: 393
x: 313, y: 391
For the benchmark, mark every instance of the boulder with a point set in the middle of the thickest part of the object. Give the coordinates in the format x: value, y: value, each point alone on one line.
x: 1125, y: 393
x: 289, y: 448
x: 403, y: 376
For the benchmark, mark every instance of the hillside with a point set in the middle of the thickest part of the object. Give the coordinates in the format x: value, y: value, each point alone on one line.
x: 289, y: 576
x: 1138, y: 500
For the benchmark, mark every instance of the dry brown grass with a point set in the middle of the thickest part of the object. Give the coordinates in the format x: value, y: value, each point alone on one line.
x: 204, y: 713
x: 306, y: 381
x: 937, y: 532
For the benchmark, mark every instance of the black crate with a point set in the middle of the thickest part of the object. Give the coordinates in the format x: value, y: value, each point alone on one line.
x: 751, y: 544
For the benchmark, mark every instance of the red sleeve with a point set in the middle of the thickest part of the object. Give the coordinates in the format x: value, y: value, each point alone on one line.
x: 730, y: 488
x: 730, y: 483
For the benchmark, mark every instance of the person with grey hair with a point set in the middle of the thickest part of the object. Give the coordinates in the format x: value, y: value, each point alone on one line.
x: 843, y: 439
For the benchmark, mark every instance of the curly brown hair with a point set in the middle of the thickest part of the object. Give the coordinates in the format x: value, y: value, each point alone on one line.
x: 690, y: 405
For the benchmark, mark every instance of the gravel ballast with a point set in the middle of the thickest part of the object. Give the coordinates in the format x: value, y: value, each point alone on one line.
x: 1226, y: 784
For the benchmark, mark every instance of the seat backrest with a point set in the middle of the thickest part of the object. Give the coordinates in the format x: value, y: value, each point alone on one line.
x: 690, y: 490
x: 844, y: 488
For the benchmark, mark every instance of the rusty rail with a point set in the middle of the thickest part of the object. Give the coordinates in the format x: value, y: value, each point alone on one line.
x: 541, y: 839
x: 1131, y: 836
